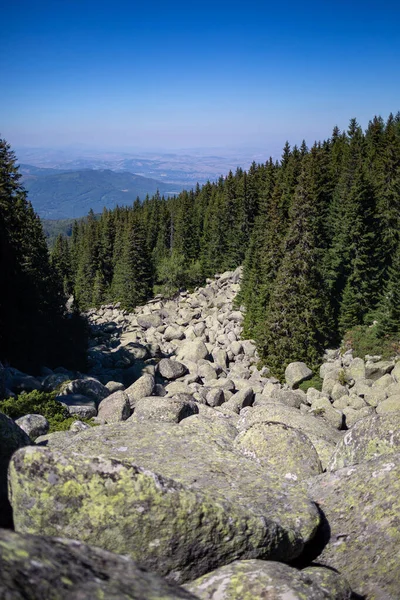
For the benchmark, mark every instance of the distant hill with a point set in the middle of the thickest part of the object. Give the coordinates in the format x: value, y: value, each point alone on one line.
x: 57, y: 194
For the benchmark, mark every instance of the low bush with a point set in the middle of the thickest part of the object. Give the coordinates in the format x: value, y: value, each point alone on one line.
x: 364, y: 339
x: 314, y: 382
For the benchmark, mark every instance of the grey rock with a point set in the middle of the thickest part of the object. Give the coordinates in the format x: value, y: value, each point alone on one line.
x: 90, y: 387
x: 240, y: 400
x: 33, y: 425
x: 215, y: 397
x: 192, y: 350
x: 375, y: 370
x: 114, y: 408
x: 296, y: 372
x: 114, y: 386
x: 390, y: 405
x: 171, y: 369
x: 142, y: 388
x: 149, y: 320
x: 164, y: 410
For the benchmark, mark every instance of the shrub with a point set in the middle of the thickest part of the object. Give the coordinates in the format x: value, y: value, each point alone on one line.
x: 314, y: 382
x: 40, y: 403
x: 364, y: 339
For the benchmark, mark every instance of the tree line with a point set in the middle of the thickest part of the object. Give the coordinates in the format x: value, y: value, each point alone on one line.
x: 317, y: 232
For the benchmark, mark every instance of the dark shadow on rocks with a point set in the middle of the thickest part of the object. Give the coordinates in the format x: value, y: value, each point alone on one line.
x: 315, y: 546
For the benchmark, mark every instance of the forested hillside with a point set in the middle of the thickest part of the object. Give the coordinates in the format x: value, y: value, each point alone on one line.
x: 318, y: 233
x: 35, y: 328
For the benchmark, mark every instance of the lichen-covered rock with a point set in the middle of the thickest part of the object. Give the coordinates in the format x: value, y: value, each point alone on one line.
x: 257, y: 579
x: 375, y: 370
x: 280, y: 448
x: 369, y: 438
x: 177, y: 532
x: 296, y: 372
x: 390, y: 405
x: 35, y: 568
x: 114, y: 408
x: 361, y: 504
x: 12, y: 437
x: 33, y: 425
x: 352, y: 415
x: 149, y: 320
x: 321, y: 407
x: 141, y: 388
x: 165, y: 410
x: 323, y: 436
x: 240, y: 400
x: 90, y: 387
x: 206, y: 462
x: 171, y: 369
x: 356, y: 370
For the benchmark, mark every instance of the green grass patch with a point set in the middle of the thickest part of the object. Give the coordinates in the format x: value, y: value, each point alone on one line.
x: 314, y: 382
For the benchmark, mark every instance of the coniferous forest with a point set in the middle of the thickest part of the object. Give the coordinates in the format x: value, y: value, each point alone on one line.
x: 316, y: 231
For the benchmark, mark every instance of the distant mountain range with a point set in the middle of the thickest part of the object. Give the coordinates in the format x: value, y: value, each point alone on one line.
x: 63, y: 194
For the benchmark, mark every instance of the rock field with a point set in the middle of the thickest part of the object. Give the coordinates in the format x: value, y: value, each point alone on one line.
x: 204, y: 477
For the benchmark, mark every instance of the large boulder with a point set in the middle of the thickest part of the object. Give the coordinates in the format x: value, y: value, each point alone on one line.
x: 12, y: 437
x: 322, y: 435
x: 284, y: 449
x: 171, y: 369
x: 165, y: 410
x: 150, y: 320
x: 192, y: 350
x: 176, y: 531
x: 257, y: 579
x: 368, y: 438
x: 37, y: 567
x: 114, y: 408
x: 207, y: 462
x: 361, y: 505
x: 296, y: 372
x: 33, y: 425
x: 141, y: 388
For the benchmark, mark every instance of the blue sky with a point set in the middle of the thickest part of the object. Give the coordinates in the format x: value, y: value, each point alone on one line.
x: 183, y: 74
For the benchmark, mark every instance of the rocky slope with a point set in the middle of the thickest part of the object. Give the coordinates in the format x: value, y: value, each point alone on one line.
x: 205, y: 478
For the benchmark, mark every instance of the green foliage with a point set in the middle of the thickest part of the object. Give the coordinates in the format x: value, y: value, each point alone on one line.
x: 315, y: 382
x: 364, y: 339
x: 40, y: 403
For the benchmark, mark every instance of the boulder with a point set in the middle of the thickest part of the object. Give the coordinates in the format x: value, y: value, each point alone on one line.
x: 114, y: 408
x: 356, y: 370
x: 21, y: 382
x: 296, y: 372
x: 126, y: 509
x: 361, y: 505
x: 375, y: 370
x: 173, y: 333
x: 115, y: 386
x: 150, y: 320
x: 322, y: 435
x: 240, y: 400
x: 285, y: 450
x: 369, y: 438
x: 143, y: 387
x: 12, y: 437
x: 215, y: 397
x: 352, y: 415
x: 390, y: 405
x: 165, y: 410
x: 90, y: 387
x: 256, y: 579
x: 171, y: 369
x: 38, y: 567
x: 192, y: 350
x: 33, y: 425
x: 206, y: 462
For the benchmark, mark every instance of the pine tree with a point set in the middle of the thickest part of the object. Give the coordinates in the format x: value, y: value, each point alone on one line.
x: 388, y: 313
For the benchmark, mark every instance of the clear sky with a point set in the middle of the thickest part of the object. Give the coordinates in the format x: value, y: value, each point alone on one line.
x: 171, y: 74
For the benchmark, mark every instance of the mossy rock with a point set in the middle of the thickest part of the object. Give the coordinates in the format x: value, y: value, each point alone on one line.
x: 39, y: 568
x: 122, y: 508
x: 361, y: 505
x: 253, y: 579
x: 206, y: 461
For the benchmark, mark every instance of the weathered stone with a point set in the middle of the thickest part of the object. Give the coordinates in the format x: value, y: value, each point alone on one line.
x: 285, y: 450
x: 375, y: 370
x: 396, y: 372
x: 322, y: 435
x: 240, y: 400
x: 89, y: 387
x: 296, y: 372
x: 256, y: 579
x: 215, y: 397
x: 374, y: 396
x: 77, y: 426
x: 361, y: 504
x: 368, y: 439
x: 383, y: 382
x: 356, y: 402
x: 33, y: 425
x: 114, y: 408
x: 142, y: 388
x: 220, y: 357
x: 53, y: 381
x: 38, y: 567
x: 204, y: 462
x: 115, y: 386
x: 82, y: 411
x: 171, y: 369
x: 390, y: 405
x: 356, y: 370
x: 173, y: 333
x: 338, y: 391
x: 289, y: 397
x: 12, y: 437
x: 351, y: 415
x: 192, y: 350
x: 150, y: 320
x: 129, y: 510
x: 165, y: 410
